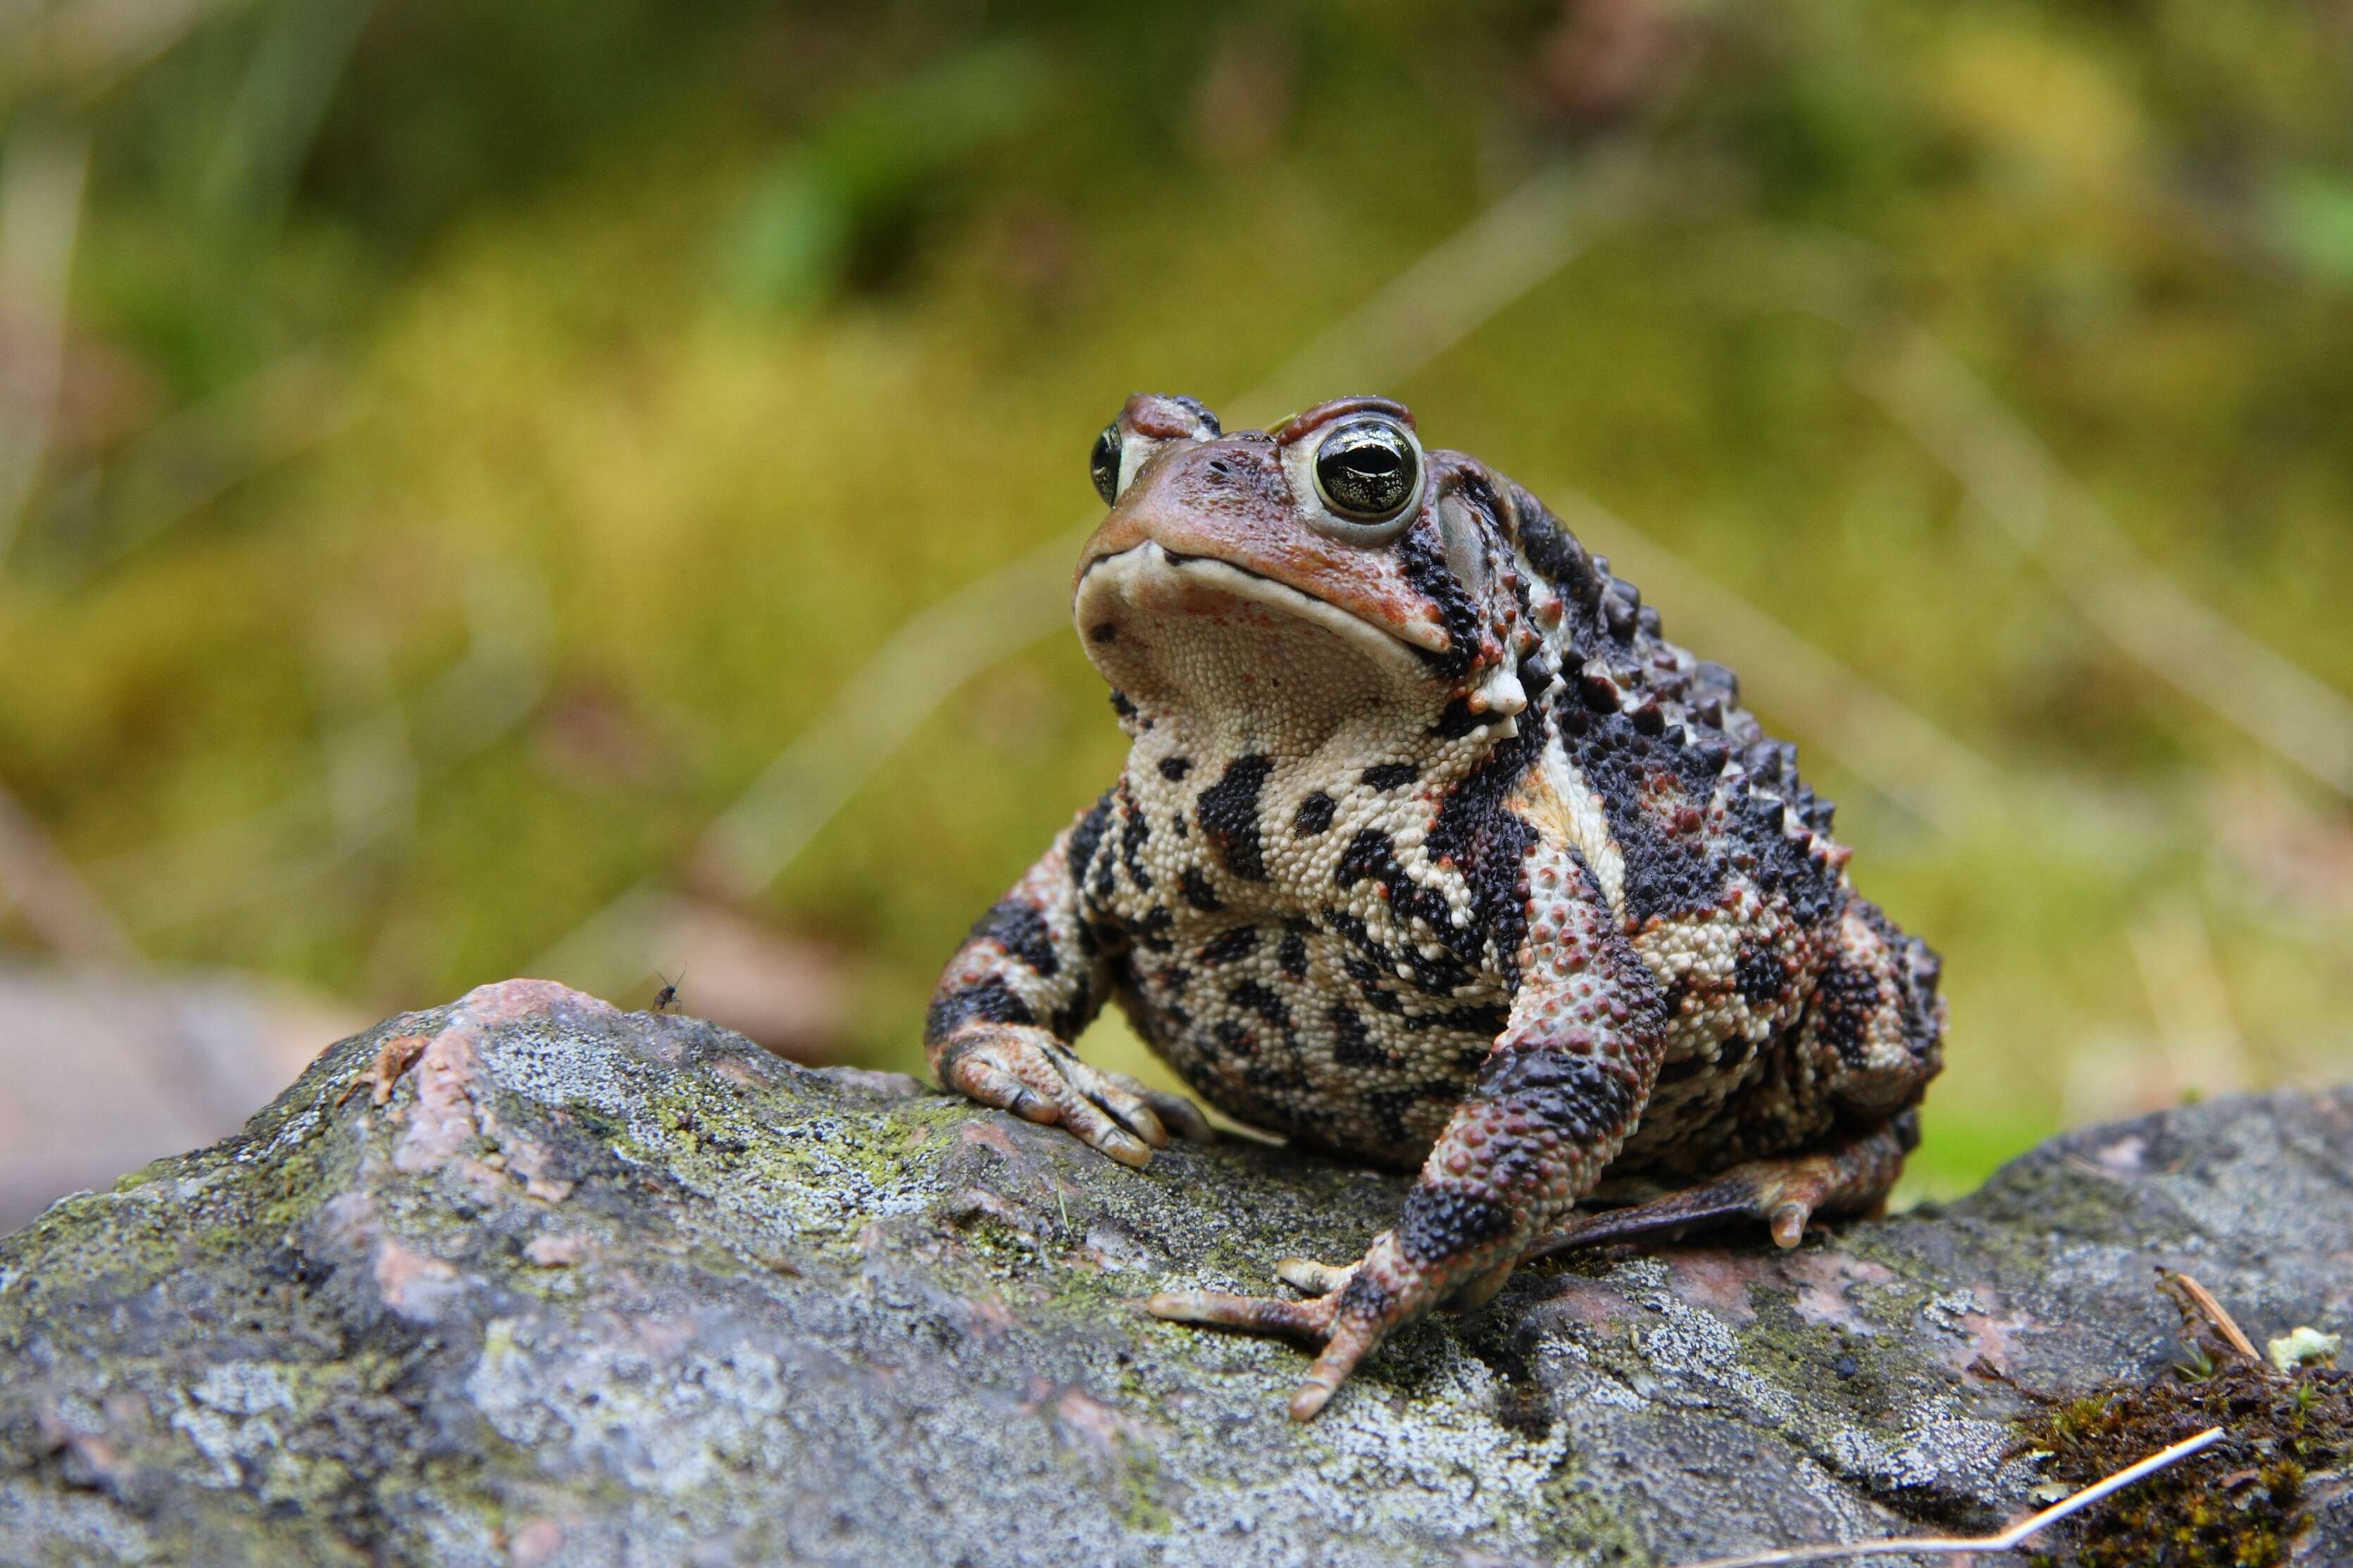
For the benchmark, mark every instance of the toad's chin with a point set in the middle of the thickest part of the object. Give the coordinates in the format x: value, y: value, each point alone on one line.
x: 1195, y: 636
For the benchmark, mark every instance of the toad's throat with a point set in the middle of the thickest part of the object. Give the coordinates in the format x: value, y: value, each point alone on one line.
x: 1155, y: 579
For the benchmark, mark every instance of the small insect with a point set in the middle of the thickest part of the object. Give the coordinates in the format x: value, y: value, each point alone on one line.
x: 668, y: 992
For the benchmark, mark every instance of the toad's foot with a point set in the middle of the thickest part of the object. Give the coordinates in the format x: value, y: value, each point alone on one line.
x: 1029, y: 1073
x: 1852, y: 1177
x: 1348, y: 1311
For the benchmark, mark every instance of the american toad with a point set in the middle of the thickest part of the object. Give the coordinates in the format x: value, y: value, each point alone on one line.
x: 1431, y: 851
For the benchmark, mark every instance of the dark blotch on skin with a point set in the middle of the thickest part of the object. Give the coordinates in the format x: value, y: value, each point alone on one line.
x: 1174, y: 768
x: 1227, y: 813
x: 1682, y: 1068
x: 1457, y: 720
x: 1554, y: 551
x: 1439, y: 1223
x: 1372, y: 856
x: 1086, y: 838
x: 1372, y: 985
x: 1313, y: 816
x: 1228, y: 946
x: 1021, y: 931
x: 1783, y: 866
x: 1489, y: 1021
x: 1587, y: 1098
x: 1121, y: 705
x: 1133, y: 835
x: 1193, y: 887
x: 1480, y: 836
x: 1422, y: 560
x: 989, y: 1000
x: 1920, y: 972
x: 1352, y: 1043
x: 1086, y: 998
x: 1369, y: 855
x: 1760, y: 974
x: 1356, y: 935
x: 1260, y: 1000
x: 1844, y: 999
x: 1103, y: 631
x: 1637, y: 776
x: 1388, y: 1107
x: 1293, y: 955
x: 1073, y: 1016
x: 1391, y: 775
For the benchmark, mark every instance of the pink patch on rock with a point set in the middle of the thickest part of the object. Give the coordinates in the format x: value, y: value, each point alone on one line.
x: 1589, y: 1301
x: 535, y: 1542
x: 987, y: 1317
x: 412, y: 1285
x: 552, y: 1250
x: 529, y: 1161
x: 738, y: 1070
x: 1993, y: 1331
x: 442, y: 1121
x: 665, y: 1337
x: 1823, y: 1277
x: 504, y: 1001
x: 1717, y: 1280
x: 988, y: 1135
x: 1081, y: 1415
x: 446, y: 1116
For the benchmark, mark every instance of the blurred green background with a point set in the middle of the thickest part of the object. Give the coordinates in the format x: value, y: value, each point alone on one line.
x: 449, y: 454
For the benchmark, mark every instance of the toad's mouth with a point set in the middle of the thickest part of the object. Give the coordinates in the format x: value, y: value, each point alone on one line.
x: 1213, y: 644
x: 1151, y: 583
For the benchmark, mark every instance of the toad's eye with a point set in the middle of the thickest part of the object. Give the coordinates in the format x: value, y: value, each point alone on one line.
x: 1368, y: 469
x: 1102, y: 463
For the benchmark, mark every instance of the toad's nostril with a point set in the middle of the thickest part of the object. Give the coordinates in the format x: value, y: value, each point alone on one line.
x: 1218, y: 465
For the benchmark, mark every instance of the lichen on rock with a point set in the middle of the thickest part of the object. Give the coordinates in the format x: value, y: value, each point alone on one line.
x: 526, y: 1279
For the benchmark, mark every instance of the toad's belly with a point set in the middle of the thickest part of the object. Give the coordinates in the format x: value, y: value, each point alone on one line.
x: 1298, y: 1032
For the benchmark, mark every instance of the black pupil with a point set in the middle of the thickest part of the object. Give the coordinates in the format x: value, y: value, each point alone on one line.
x: 1367, y: 470
x: 1102, y: 463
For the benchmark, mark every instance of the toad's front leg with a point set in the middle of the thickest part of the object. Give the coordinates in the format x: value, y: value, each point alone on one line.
x: 1554, y: 1101
x: 1023, y: 984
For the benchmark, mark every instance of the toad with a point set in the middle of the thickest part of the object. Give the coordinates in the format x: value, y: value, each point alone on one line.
x: 1433, y: 852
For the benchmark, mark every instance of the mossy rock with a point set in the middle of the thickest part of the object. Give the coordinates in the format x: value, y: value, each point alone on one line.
x: 526, y: 1279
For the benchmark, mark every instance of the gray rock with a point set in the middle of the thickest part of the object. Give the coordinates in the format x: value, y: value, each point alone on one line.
x: 602, y: 1288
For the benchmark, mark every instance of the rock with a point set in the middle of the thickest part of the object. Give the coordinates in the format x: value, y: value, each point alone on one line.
x: 524, y: 1279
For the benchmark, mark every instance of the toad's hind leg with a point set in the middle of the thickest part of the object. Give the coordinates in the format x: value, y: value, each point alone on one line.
x: 1847, y: 1177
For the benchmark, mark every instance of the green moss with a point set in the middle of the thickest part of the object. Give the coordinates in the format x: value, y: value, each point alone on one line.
x: 2238, y: 1504
x: 1139, y: 1477
x: 1587, y: 1528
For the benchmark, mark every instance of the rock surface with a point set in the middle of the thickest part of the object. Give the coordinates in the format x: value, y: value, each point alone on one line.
x: 524, y: 1279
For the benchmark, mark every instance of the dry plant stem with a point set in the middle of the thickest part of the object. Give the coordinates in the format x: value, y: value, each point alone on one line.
x: 2215, y: 1313
x: 2008, y: 1540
